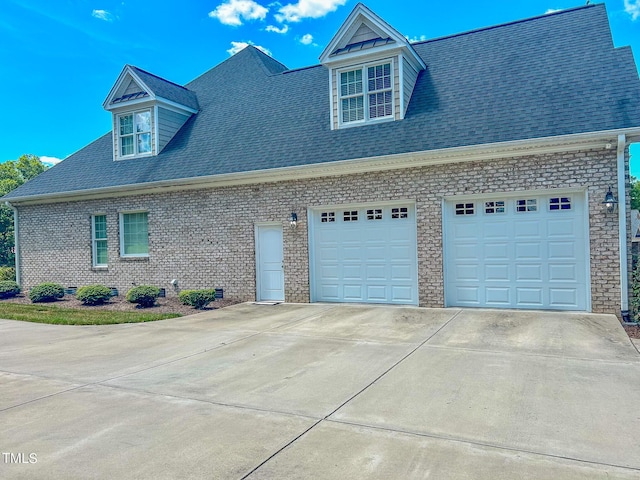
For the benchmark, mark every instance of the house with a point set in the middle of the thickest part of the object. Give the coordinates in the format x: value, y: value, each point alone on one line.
x: 469, y: 171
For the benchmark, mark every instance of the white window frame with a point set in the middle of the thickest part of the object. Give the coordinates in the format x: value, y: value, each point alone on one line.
x: 134, y: 134
x: 365, y: 92
x: 95, y: 240
x: 121, y: 221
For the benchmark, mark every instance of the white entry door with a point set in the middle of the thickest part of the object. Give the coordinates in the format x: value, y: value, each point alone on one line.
x: 269, y: 263
x: 528, y: 251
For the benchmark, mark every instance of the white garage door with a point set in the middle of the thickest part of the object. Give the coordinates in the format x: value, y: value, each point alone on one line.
x: 526, y: 252
x: 364, y: 254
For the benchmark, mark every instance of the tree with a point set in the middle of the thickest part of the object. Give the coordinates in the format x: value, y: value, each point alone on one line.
x: 30, y: 166
x: 12, y: 175
x: 635, y: 194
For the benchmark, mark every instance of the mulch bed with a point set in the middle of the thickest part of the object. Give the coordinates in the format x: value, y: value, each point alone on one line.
x: 163, y: 305
x: 633, y: 331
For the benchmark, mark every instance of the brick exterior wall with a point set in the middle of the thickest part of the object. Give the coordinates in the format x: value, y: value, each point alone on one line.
x: 205, y: 238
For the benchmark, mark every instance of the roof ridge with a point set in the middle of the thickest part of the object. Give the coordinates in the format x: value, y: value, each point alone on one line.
x: 262, y: 56
x: 506, y: 24
x: 159, y: 77
x: 246, y: 50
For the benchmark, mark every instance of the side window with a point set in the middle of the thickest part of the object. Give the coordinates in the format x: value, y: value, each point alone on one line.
x: 99, y: 240
x: 134, y: 234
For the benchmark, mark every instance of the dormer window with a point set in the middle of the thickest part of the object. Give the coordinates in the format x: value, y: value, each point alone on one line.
x: 370, y: 100
x: 372, y: 71
x: 147, y: 112
x: 135, y: 133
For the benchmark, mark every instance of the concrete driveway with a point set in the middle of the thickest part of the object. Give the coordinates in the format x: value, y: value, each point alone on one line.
x: 322, y: 391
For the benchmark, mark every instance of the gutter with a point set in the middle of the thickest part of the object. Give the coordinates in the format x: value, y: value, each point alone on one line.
x: 15, y: 240
x: 622, y: 231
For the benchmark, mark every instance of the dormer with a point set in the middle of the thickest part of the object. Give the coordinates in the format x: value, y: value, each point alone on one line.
x: 147, y: 111
x: 372, y: 71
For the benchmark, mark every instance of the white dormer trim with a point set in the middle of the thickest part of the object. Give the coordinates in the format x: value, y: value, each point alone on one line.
x: 362, y: 14
x: 126, y: 72
x: 366, y: 56
x: 401, y: 83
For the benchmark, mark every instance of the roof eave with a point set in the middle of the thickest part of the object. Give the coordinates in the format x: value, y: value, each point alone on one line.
x: 516, y: 148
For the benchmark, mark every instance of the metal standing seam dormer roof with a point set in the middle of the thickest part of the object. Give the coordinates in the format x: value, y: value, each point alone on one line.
x: 364, y: 45
x: 548, y: 76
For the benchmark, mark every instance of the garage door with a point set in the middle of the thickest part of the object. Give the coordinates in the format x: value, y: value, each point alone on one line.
x: 527, y: 252
x: 364, y: 254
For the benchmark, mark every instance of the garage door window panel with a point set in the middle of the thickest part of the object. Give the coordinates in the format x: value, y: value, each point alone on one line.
x: 497, y: 206
x: 559, y: 203
x: 350, y: 216
x: 465, y: 208
x: 327, y: 217
x: 374, y: 214
x: 527, y: 205
x: 397, y: 213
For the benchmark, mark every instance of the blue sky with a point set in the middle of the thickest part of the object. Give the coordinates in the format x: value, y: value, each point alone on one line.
x: 59, y: 58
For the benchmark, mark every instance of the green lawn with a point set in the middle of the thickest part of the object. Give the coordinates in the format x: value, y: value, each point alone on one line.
x: 48, y: 313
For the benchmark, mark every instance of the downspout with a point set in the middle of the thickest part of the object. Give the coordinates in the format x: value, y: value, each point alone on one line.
x: 15, y: 240
x: 622, y: 230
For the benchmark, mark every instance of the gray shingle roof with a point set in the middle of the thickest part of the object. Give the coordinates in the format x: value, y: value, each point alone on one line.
x: 552, y: 75
x: 165, y: 89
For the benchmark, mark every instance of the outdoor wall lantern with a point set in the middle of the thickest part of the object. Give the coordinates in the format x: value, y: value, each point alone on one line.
x: 293, y: 221
x: 610, y: 202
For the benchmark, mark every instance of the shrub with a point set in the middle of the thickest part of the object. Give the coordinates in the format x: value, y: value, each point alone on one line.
x: 9, y: 288
x: 143, y: 295
x: 7, y: 273
x: 197, y: 298
x: 93, y: 294
x: 46, y: 292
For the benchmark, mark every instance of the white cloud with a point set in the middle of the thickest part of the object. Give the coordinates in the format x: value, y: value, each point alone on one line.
x: 294, y: 12
x: 552, y: 10
x: 50, y: 160
x: 237, y: 46
x: 234, y: 11
x: 632, y: 7
x: 103, y: 15
x: 307, y: 39
x: 272, y: 28
x: 421, y: 38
